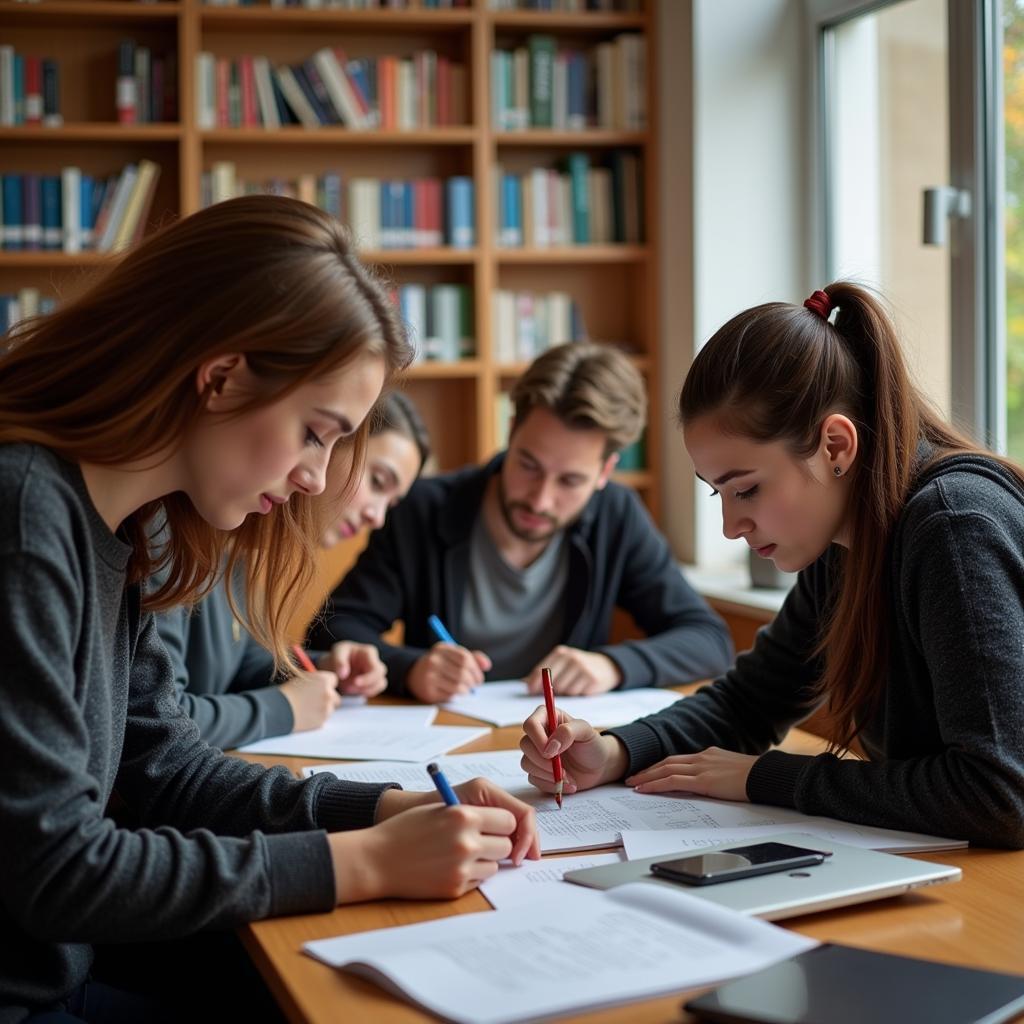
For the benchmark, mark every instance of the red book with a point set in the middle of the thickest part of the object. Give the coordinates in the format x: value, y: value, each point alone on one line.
x: 250, y: 116
x: 223, y: 92
x: 33, y: 90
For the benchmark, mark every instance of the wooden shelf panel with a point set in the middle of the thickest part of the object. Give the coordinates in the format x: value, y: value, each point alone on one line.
x: 508, y: 371
x: 575, y: 254
x: 384, y: 20
x: 412, y: 257
x: 444, y: 371
x: 93, y: 131
x: 641, y: 479
x: 570, y: 21
x: 86, y: 13
x: 587, y: 137
x: 292, y: 134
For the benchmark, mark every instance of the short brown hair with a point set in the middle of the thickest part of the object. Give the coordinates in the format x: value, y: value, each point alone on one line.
x: 588, y: 387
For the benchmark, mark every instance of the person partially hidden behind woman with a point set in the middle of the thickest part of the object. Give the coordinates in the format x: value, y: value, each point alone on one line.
x: 906, y: 619
x: 225, y: 679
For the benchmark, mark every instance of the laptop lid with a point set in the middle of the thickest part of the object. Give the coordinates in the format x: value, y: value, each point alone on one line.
x: 850, y: 875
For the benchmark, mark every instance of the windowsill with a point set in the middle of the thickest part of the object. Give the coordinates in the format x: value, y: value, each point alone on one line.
x: 731, y: 584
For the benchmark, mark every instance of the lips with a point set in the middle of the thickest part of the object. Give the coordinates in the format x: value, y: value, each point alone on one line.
x: 766, y: 551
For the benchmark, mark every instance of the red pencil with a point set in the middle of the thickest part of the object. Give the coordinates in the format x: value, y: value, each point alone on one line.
x: 303, y: 658
x: 556, y: 761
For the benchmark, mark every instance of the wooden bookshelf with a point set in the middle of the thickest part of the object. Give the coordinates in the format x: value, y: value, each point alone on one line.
x: 613, y: 284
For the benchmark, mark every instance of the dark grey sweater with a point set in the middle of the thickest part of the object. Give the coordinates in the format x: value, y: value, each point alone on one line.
x: 88, y: 707
x: 946, y: 746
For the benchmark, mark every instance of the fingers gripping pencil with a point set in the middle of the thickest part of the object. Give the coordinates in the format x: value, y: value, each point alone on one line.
x: 556, y: 761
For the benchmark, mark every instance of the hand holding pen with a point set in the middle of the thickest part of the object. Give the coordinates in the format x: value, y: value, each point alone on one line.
x: 446, y: 670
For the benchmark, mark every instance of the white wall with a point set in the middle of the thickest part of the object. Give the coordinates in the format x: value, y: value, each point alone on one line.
x: 735, y: 131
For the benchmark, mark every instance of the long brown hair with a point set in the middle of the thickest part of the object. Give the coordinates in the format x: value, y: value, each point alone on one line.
x: 774, y: 373
x: 110, y: 378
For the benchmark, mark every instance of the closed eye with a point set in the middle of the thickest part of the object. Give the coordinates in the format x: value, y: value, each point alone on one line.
x: 313, y: 439
x: 747, y: 494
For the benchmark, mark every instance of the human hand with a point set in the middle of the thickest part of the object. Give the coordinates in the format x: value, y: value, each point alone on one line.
x: 313, y: 696
x: 445, y: 671
x: 576, y: 673
x: 713, y: 772
x: 588, y: 759
x: 357, y: 668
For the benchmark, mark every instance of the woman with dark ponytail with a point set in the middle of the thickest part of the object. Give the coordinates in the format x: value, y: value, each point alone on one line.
x: 907, y: 618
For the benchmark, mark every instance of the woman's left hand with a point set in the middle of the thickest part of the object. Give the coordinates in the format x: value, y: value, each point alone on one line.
x: 713, y: 772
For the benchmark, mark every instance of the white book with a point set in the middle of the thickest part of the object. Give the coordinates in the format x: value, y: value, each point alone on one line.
x: 295, y: 97
x: 28, y: 301
x: 206, y: 90
x: 504, y: 321
x: 7, y: 85
x: 71, y: 209
x: 339, y: 88
x: 500, y: 967
x: 223, y: 181
x: 269, y: 117
x: 447, y: 316
x: 122, y: 193
x: 413, y: 305
x: 406, y: 96
x: 539, y: 213
x: 364, y: 212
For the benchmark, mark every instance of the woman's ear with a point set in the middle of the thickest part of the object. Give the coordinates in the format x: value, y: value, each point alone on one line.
x: 221, y: 379
x: 839, y: 442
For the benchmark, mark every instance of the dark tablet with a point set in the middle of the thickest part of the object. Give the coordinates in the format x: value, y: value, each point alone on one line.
x: 841, y: 985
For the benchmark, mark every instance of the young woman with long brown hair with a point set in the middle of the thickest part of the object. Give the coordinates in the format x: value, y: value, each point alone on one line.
x: 907, y: 617
x: 205, y: 382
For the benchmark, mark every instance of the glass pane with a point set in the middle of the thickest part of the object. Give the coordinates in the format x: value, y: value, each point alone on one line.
x: 1013, y: 92
x: 889, y: 141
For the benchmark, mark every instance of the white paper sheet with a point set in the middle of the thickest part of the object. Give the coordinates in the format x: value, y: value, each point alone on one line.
x: 500, y: 766
x: 373, y: 733
x: 648, y: 843
x: 579, y: 949
x: 508, y: 703
x: 535, y: 879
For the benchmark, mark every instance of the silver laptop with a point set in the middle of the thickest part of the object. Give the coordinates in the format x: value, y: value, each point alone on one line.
x: 849, y: 875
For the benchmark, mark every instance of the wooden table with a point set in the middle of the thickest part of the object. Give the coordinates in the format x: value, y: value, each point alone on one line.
x: 978, y: 922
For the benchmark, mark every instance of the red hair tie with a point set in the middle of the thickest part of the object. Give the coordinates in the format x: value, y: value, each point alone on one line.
x: 819, y: 303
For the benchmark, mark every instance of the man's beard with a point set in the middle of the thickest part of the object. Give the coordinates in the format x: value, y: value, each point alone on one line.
x: 508, y: 507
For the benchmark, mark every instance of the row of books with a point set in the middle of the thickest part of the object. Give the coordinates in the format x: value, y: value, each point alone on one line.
x: 147, y: 85
x: 541, y: 86
x: 439, y: 318
x: 527, y: 323
x: 75, y: 212
x: 21, y: 305
x: 581, y: 205
x: 422, y: 91
x: 344, y: 5
x: 572, y: 6
x: 383, y: 214
x: 29, y: 89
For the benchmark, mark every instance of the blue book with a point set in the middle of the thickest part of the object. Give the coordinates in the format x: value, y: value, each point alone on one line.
x: 85, y: 215
x: 284, y: 112
x: 511, y: 210
x: 31, y: 211
x: 460, y: 220
x: 387, y: 227
x: 19, y: 89
x: 332, y: 193
x: 53, y: 238
x: 13, y: 231
x: 577, y: 92
x: 408, y: 216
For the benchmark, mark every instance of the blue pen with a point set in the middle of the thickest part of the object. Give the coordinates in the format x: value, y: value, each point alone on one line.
x: 443, y: 785
x: 440, y: 631
x: 442, y: 634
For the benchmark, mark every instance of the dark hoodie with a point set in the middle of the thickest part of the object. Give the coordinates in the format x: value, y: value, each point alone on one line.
x: 946, y: 745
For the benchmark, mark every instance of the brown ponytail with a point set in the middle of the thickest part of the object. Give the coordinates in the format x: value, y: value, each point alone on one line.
x: 774, y: 373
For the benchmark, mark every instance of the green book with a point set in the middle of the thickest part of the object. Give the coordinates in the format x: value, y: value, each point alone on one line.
x: 579, y: 177
x: 542, y: 71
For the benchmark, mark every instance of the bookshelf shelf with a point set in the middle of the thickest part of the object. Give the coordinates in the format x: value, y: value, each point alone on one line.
x: 576, y: 254
x: 589, y: 137
x: 384, y: 21
x: 340, y: 136
x: 444, y: 371
x: 93, y: 131
x: 609, y: 287
x: 79, y: 13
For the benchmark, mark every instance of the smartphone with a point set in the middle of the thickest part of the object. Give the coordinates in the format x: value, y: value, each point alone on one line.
x: 737, y: 862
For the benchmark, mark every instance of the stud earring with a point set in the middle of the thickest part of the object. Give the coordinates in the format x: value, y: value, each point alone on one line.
x: 837, y: 470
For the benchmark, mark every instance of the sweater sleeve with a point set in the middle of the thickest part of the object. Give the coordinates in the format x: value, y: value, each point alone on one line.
x: 751, y: 707
x: 685, y: 639
x: 67, y: 872
x: 226, y: 720
x: 961, y: 584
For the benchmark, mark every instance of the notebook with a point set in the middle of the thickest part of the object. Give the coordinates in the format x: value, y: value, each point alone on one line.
x: 842, y: 985
x: 850, y: 875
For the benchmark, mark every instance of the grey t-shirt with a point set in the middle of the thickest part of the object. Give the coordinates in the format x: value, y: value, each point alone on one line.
x: 515, y: 616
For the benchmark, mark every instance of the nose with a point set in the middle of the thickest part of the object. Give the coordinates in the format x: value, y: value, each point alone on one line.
x: 542, y: 496
x: 374, y: 512
x: 310, y: 475
x: 735, y: 525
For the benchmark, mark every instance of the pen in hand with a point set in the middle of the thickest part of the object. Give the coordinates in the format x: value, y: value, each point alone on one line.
x: 556, y: 761
x: 443, y: 785
x: 440, y: 630
x: 303, y: 658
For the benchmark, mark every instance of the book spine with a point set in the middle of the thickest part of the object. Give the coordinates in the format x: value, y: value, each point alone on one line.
x: 579, y: 174
x: 461, y: 234
x: 18, y: 78
x: 126, y: 99
x: 6, y: 85
x: 71, y: 193
x: 33, y: 90
x: 50, y: 212
x: 52, y: 117
x: 542, y: 61
x: 141, y: 84
x: 32, y: 214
